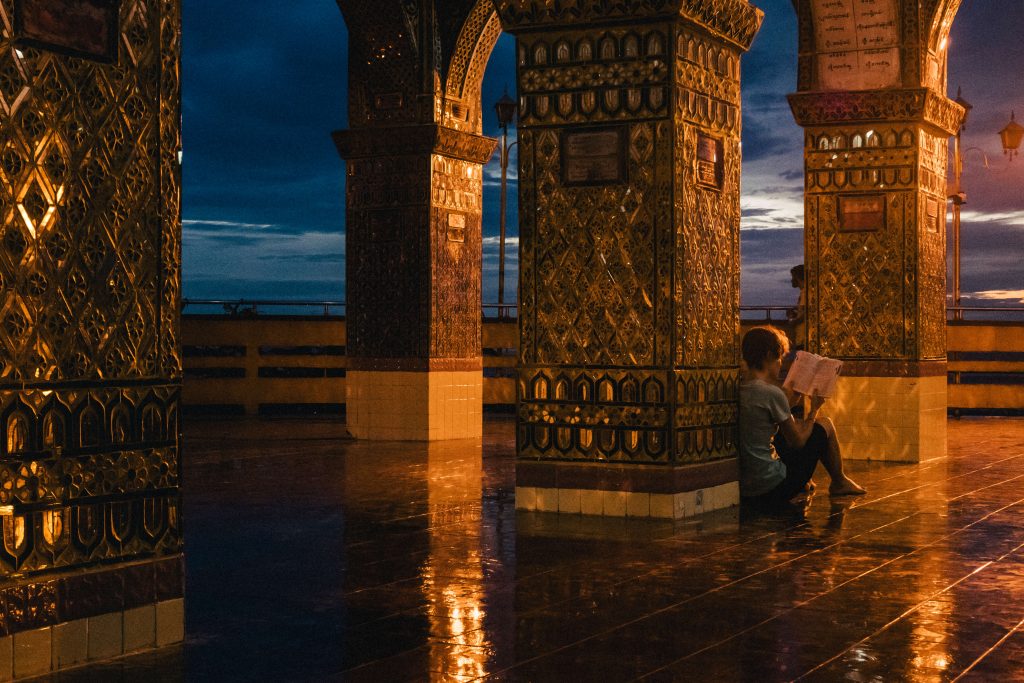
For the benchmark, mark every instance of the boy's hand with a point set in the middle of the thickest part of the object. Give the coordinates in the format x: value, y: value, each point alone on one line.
x: 816, y: 403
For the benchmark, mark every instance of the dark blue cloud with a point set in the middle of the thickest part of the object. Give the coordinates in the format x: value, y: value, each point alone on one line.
x: 265, y: 82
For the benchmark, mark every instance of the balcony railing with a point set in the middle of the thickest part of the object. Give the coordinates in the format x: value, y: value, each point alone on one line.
x: 270, y: 356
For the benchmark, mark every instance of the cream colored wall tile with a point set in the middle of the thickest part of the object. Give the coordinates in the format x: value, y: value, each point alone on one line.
x: 569, y: 500
x: 106, y: 633
x: 547, y: 500
x: 170, y: 622
x: 679, y: 507
x: 591, y: 502
x: 70, y: 643
x: 6, y: 658
x: 614, y: 503
x: 662, y: 505
x: 140, y: 628
x: 33, y: 652
x: 526, y: 498
x: 638, y: 504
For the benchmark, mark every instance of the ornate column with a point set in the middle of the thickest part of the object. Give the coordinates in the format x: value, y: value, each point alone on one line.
x: 876, y: 127
x: 414, y: 158
x: 413, y: 254
x: 91, y: 561
x: 629, y: 254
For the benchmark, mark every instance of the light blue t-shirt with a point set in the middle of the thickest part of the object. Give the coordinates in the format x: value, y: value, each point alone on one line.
x: 763, y: 407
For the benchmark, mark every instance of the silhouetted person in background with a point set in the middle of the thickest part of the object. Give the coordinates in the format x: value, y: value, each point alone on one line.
x: 797, y: 316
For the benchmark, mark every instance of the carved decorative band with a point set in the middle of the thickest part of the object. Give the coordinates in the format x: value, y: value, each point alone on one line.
x: 408, y: 140
x: 894, y: 368
x: 416, y: 364
x: 921, y: 105
x: 735, y: 21
x: 616, y: 477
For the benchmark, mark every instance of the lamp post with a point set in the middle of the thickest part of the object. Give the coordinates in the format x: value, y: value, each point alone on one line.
x: 1010, y: 136
x: 505, y: 108
x: 958, y: 197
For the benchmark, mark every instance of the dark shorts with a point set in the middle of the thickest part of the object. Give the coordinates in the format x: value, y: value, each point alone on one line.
x: 800, y: 465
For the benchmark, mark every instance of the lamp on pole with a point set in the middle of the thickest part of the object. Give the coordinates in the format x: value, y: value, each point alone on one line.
x: 1010, y: 136
x: 506, y: 109
x: 958, y: 197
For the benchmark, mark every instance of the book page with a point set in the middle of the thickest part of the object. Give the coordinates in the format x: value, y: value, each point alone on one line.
x: 800, y: 377
x: 826, y: 375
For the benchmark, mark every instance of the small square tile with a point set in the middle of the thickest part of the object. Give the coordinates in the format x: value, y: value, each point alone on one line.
x: 6, y: 658
x: 106, y: 636
x: 547, y: 500
x: 33, y: 652
x: 591, y: 502
x: 140, y: 628
x: 569, y: 500
x: 70, y: 643
x: 170, y: 622
x: 662, y: 505
x: 526, y: 498
x: 614, y: 503
x: 638, y: 504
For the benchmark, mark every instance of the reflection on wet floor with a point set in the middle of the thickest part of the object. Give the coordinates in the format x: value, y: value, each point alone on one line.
x: 314, y: 558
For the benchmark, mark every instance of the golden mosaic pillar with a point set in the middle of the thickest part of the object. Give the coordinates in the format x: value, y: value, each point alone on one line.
x: 629, y: 254
x: 414, y: 158
x: 876, y: 125
x: 91, y: 561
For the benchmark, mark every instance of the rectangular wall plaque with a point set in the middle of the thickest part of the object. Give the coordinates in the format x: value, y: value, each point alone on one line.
x: 387, y: 100
x: 594, y: 156
x: 79, y: 28
x: 857, y: 44
x: 936, y: 220
x: 709, y: 161
x: 456, y: 227
x: 861, y: 214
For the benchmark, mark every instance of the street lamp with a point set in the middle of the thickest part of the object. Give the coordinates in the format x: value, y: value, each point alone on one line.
x: 506, y: 109
x: 958, y: 197
x: 1011, y: 136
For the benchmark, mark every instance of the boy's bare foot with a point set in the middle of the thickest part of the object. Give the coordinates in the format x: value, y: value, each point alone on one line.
x: 847, y: 487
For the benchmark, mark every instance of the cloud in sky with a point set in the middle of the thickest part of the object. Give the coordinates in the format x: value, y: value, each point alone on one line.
x: 264, y: 84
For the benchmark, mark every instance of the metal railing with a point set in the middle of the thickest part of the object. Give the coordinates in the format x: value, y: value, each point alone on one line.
x: 509, y: 312
x: 249, y: 308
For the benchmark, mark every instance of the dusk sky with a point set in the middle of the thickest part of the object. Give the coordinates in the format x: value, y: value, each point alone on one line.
x: 264, y: 84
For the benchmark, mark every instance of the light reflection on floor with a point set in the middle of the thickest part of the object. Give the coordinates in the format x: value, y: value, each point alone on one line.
x: 314, y: 558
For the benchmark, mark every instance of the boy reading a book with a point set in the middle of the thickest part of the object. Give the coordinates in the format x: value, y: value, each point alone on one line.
x: 778, y: 452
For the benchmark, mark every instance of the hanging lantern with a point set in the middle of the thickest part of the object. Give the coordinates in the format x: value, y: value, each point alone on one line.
x: 1011, y: 136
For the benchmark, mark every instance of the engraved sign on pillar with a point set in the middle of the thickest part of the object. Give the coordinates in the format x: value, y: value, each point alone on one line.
x: 857, y: 44
x: 594, y: 157
x: 80, y: 28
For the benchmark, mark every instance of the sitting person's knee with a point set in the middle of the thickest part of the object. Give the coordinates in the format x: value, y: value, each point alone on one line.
x: 829, y: 426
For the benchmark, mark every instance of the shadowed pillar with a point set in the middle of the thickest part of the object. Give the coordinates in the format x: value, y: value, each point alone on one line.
x: 414, y: 158
x: 629, y: 254
x: 876, y: 125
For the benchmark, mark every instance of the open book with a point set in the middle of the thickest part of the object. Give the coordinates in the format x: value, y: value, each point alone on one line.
x: 813, y: 375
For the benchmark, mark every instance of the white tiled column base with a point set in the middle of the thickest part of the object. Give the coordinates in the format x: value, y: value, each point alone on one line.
x: 414, y: 406
x: 76, y: 643
x: 628, y: 503
x: 900, y: 419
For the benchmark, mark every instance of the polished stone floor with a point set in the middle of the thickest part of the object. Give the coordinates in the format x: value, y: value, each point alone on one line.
x: 314, y: 558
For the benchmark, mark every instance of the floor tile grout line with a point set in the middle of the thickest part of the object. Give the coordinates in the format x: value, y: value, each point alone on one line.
x: 1016, y: 629
x: 749, y: 576
x: 699, y: 596
x: 926, y: 600
x: 761, y: 537
x: 808, y: 601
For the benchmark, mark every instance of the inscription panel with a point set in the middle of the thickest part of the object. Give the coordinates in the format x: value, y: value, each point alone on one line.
x: 857, y: 43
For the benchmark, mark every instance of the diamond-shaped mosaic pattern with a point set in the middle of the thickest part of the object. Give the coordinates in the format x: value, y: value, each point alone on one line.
x: 89, y: 269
